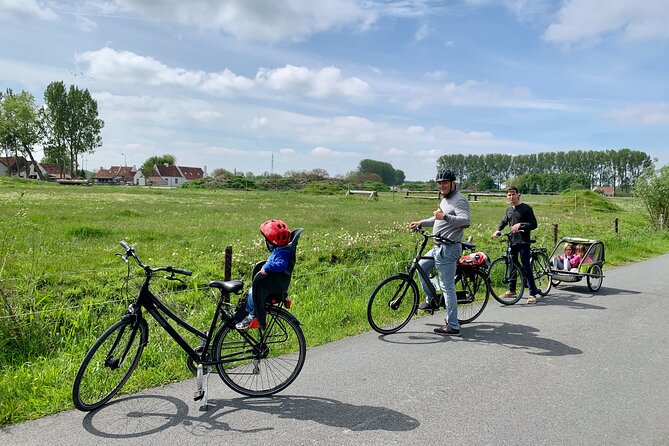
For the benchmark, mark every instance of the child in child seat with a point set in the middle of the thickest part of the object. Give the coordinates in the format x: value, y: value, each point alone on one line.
x: 271, y: 277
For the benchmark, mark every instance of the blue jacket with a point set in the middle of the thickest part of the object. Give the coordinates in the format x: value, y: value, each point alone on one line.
x: 278, y: 261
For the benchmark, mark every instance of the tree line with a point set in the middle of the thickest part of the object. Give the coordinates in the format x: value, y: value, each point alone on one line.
x: 616, y: 168
x: 64, y: 128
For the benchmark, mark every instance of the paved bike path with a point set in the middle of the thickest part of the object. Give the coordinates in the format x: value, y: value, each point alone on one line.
x: 576, y: 368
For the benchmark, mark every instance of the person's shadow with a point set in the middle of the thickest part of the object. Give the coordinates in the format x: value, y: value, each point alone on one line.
x: 142, y: 415
x: 514, y: 336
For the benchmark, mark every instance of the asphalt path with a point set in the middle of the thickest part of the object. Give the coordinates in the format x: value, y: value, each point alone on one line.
x: 576, y: 368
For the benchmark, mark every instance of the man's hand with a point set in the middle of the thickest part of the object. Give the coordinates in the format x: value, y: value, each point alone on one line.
x: 438, y: 214
x: 496, y: 234
x: 515, y: 228
x: 414, y: 225
x: 263, y: 272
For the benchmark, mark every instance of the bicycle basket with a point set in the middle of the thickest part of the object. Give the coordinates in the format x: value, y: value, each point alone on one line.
x: 474, y: 259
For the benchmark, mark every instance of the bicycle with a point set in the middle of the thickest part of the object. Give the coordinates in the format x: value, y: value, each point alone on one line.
x: 504, y: 270
x: 256, y: 362
x: 395, y: 299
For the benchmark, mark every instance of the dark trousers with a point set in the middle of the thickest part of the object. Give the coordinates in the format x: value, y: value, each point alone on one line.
x: 266, y: 286
x: 523, y: 250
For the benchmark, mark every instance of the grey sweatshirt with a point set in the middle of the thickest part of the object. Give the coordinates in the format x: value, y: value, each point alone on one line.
x: 456, y: 218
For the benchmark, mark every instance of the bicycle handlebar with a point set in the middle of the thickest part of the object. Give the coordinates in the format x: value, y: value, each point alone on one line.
x: 130, y: 252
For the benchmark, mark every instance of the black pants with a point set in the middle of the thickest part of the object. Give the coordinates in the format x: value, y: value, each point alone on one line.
x: 523, y: 250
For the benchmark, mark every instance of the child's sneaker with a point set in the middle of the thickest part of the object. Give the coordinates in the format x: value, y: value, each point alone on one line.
x: 244, y: 324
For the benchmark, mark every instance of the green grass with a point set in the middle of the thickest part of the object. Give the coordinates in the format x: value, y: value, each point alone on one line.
x: 61, y: 284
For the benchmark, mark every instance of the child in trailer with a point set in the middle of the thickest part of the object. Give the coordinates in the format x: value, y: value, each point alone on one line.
x: 568, y: 259
x: 273, y: 277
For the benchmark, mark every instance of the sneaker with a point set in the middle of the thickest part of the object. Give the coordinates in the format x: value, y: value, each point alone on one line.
x: 509, y: 294
x: 427, y: 306
x: 447, y: 330
x: 244, y: 324
x: 532, y: 300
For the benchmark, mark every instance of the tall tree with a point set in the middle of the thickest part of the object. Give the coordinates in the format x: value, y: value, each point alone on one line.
x: 148, y: 169
x: 20, y: 129
x: 386, y: 171
x: 72, y: 123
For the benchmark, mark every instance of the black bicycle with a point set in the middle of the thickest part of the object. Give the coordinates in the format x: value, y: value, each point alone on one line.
x: 253, y: 362
x: 395, y: 300
x: 504, y: 270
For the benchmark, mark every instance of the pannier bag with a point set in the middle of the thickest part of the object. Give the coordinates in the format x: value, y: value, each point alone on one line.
x: 473, y: 259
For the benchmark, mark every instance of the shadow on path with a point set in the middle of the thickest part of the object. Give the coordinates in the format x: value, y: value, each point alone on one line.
x: 142, y: 415
x: 514, y: 336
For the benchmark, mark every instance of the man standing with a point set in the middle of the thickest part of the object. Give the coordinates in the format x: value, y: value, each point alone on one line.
x: 520, y: 217
x: 448, y: 223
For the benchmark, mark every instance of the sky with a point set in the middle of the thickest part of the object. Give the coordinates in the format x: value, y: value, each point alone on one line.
x: 275, y: 86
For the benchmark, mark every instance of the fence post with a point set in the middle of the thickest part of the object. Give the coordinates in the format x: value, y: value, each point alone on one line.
x: 555, y: 233
x: 615, y: 225
x: 227, y: 268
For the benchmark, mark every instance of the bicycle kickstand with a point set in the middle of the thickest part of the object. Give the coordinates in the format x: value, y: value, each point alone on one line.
x: 202, y: 392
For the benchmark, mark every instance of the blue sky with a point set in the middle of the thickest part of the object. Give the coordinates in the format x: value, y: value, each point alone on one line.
x: 324, y: 84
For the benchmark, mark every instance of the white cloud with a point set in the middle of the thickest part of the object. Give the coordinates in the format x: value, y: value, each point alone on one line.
x: 287, y: 151
x: 328, y: 153
x: 588, y: 20
x: 258, y: 122
x: 645, y: 114
x: 266, y: 20
x: 422, y: 33
x: 326, y: 82
x: 393, y: 151
x: 25, y: 9
x: 130, y: 68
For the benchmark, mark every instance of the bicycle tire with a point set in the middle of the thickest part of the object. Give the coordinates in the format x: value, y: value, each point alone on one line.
x: 473, y: 283
x: 268, y: 368
x: 389, y: 307
x: 540, y: 269
x: 595, y: 281
x: 100, y: 375
x: 499, y: 274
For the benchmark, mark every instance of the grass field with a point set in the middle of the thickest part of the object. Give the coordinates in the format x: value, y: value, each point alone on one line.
x: 61, y: 284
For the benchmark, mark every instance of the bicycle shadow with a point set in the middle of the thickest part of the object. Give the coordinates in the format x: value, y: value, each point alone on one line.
x: 414, y: 337
x: 142, y: 415
x: 604, y: 291
x: 517, y: 336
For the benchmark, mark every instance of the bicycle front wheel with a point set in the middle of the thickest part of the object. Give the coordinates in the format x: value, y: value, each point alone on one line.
x: 540, y: 270
x: 473, y: 293
x: 109, y: 363
x: 392, y: 304
x: 261, y: 366
x: 501, y: 273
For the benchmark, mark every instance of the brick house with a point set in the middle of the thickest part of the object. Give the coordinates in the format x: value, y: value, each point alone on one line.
x: 116, y: 175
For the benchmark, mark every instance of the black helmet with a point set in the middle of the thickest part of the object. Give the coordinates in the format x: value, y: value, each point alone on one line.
x: 445, y: 175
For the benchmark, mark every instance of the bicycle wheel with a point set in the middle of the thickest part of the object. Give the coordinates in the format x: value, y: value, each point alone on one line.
x: 392, y: 304
x: 473, y: 293
x: 109, y: 363
x: 540, y: 268
x: 261, y: 367
x: 595, y: 281
x: 500, y: 274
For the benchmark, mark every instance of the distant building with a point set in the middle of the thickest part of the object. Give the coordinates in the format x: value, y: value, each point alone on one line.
x: 607, y: 191
x: 17, y: 166
x: 116, y: 175
x: 169, y: 175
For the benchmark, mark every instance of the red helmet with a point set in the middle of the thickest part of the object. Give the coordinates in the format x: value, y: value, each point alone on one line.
x: 276, y: 232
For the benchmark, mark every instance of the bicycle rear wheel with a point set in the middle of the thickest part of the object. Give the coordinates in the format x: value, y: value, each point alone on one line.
x: 392, y: 304
x: 261, y: 367
x: 540, y: 269
x: 473, y: 293
x: 502, y: 271
x: 109, y: 363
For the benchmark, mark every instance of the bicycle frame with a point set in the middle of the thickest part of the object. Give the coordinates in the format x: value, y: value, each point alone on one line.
x: 158, y: 310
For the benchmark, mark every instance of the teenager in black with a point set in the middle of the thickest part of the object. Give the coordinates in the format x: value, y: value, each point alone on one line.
x: 520, y: 217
